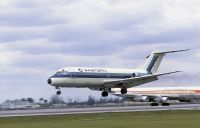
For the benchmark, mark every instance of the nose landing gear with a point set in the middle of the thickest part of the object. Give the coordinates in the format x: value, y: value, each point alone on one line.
x: 58, y: 92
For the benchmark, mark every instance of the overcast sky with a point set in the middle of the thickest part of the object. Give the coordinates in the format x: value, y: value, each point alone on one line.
x: 38, y: 37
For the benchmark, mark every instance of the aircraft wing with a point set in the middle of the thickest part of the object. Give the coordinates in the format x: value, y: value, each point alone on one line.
x: 135, y: 81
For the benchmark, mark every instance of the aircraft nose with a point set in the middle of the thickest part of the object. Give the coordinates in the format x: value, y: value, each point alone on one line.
x: 49, y: 81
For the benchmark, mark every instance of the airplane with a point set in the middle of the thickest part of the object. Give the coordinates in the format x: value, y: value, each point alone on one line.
x: 160, y: 95
x: 103, y: 79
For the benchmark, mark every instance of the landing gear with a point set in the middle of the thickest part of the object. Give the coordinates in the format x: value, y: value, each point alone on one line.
x: 58, y: 92
x: 104, y: 94
x: 157, y: 104
x: 123, y: 91
x: 165, y: 104
x: 123, y: 88
x: 154, y: 104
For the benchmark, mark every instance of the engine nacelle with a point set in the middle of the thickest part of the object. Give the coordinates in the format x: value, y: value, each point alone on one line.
x: 161, y: 99
x: 141, y: 99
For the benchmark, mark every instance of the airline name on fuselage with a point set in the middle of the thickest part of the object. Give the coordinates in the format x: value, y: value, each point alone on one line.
x: 92, y: 70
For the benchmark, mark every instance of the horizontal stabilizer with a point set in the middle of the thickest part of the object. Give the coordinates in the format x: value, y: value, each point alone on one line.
x: 172, y: 51
x: 168, y: 73
x: 169, y: 52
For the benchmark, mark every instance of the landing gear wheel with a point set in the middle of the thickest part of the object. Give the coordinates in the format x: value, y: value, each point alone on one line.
x: 104, y: 94
x: 154, y: 104
x: 58, y: 92
x: 165, y: 104
x: 123, y: 91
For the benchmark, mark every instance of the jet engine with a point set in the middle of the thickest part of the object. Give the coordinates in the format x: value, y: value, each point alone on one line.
x: 141, y: 99
x: 161, y: 99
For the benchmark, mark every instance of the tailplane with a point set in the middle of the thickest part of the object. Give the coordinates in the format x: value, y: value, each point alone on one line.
x: 154, y: 59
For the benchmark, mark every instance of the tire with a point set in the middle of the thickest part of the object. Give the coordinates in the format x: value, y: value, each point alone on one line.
x: 165, y: 104
x: 154, y: 104
x: 104, y: 94
x: 58, y: 92
x: 123, y: 91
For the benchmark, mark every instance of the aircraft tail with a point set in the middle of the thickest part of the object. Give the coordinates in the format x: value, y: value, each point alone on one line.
x: 154, y: 59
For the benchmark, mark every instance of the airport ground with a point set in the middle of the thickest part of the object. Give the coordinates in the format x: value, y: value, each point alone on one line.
x: 153, y: 119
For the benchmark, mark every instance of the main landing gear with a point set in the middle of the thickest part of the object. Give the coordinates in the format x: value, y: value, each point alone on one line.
x: 123, y: 91
x: 165, y: 104
x: 154, y: 104
x: 58, y: 92
x: 157, y: 104
x: 104, y: 93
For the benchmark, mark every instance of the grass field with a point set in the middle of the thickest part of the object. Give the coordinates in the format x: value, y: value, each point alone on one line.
x: 162, y: 119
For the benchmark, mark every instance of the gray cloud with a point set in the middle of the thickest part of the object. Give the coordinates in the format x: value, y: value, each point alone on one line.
x: 38, y: 37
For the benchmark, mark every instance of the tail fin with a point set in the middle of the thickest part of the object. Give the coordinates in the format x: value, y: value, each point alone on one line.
x: 154, y: 59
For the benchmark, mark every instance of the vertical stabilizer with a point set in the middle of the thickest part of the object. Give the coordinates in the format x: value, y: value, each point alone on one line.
x: 154, y: 59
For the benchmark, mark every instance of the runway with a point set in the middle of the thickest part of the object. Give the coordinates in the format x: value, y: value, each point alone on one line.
x: 37, y: 112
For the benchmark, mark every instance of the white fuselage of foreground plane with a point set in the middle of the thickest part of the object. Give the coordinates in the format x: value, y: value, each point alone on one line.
x: 106, y: 78
x: 91, y: 77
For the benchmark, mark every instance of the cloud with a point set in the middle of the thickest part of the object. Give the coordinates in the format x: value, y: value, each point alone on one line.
x: 39, y: 37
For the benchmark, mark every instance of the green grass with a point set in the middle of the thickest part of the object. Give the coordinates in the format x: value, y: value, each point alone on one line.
x: 161, y: 119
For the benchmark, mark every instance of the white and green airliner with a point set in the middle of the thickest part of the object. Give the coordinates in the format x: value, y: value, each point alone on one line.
x: 103, y: 79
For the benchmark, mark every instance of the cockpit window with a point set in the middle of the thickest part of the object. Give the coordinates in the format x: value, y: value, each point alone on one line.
x: 61, y: 72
